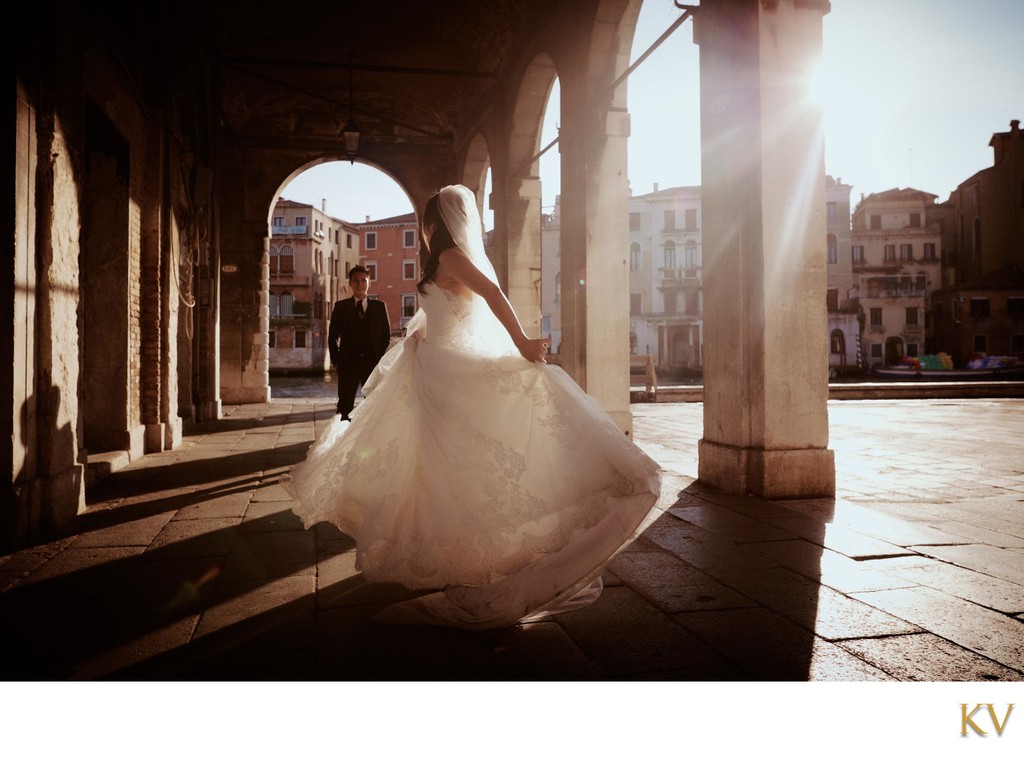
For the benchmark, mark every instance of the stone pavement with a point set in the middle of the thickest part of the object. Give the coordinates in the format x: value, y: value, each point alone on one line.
x: 188, y: 565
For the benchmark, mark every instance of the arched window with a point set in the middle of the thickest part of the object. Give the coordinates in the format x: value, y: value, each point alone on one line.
x: 286, y: 304
x: 838, y: 342
x: 273, y: 260
x: 275, y: 305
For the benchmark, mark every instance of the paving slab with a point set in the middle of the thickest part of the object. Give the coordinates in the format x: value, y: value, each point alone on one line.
x: 814, y: 607
x: 672, y: 585
x: 928, y: 658
x: 700, y: 548
x: 767, y: 646
x: 1004, y: 563
x: 996, y: 636
x: 625, y: 637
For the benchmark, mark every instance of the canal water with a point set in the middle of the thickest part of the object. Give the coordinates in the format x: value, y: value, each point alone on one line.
x: 320, y: 386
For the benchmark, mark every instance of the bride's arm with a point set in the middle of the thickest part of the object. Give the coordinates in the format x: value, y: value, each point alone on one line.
x: 458, y: 266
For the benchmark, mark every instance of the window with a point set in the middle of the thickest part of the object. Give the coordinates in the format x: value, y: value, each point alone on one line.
x: 286, y: 304
x: 912, y: 317
x: 838, y: 342
x: 273, y: 260
x: 635, y: 302
x: 938, y: 311
x: 833, y: 249
x: 876, y: 221
x: 300, y: 221
x: 670, y: 255
x: 692, y: 303
x: 275, y: 305
x: 271, y: 339
x: 371, y: 267
x: 980, y: 344
x: 906, y: 252
x: 287, y: 260
x: 979, y: 308
x: 890, y: 254
x: 634, y: 257
x: 300, y: 338
x: 915, y: 220
x: 876, y: 350
x: 408, y: 270
x: 830, y: 209
x: 690, y: 260
x: 977, y: 234
x: 876, y: 317
x: 634, y: 222
x: 278, y: 221
x: 858, y: 254
x: 690, y: 219
x: 913, y: 349
x: 348, y: 240
x: 408, y: 305
x: 558, y: 287
x: 929, y: 252
x: 832, y: 299
x: 409, y: 238
x: 370, y: 242
x: 670, y: 221
x: 1015, y: 306
x: 671, y: 301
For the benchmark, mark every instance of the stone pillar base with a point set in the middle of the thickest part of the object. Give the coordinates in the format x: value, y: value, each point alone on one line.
x: 210, y: 411
x: 154, y: 438
x: 63, y: 497
x: 172, y: 433
x: 793, y: 473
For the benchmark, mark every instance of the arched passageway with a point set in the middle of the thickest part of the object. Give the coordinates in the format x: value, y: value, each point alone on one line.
x: 214, y: 123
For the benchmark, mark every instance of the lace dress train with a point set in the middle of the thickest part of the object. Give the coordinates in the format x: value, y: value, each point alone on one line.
x: 472, y: 472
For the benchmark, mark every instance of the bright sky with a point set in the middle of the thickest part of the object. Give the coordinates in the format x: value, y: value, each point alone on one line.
x: 913, y: 91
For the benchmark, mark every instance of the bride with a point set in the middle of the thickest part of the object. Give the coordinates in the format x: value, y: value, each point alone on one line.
x: 473, y: 469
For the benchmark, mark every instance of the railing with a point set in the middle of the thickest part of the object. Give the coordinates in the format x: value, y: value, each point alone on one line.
x: 876, y: 328
x: 301, y: 230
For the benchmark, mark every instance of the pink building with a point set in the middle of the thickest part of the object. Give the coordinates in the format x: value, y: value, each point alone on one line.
x: 390, y: 250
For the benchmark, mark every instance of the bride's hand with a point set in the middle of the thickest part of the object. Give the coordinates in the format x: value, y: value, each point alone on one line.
x: 534, y: 349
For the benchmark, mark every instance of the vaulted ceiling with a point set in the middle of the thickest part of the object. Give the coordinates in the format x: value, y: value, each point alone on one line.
x: 419, y: 72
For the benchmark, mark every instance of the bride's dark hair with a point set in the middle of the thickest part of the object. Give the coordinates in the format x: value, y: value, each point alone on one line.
x: 440, y: 241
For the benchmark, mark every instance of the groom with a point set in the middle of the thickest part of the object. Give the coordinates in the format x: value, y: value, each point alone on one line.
x: 359, y: 334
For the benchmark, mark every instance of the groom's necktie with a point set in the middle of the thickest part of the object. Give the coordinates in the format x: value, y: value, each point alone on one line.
x: 359, y: 308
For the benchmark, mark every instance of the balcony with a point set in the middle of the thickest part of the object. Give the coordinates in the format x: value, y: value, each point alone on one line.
x: 877, y: 328
x: 301, y: 230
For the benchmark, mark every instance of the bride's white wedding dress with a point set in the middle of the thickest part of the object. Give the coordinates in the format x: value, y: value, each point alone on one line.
x: 474, y: 472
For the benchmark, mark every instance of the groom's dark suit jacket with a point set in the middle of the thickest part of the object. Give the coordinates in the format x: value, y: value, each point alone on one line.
x: 352, y: 340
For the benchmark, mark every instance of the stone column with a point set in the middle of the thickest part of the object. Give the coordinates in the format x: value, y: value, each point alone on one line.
x: 594, y: 243
x: 766, y: 341
x: 522, y: 217
x: 244, y: 273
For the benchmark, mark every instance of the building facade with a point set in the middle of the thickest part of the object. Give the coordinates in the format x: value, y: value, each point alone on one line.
x: 390, y: 251
x: 310, y: 255
x: 978, y: 311
x: 551, y: 276
x: 896, y: 267
x: 842, y: 295
x: 665, y: 278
